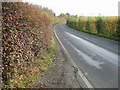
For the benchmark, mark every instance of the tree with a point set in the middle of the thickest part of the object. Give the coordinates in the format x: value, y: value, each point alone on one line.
x: 68, y: 14
x: 99, y: 24
x: 87, y: 24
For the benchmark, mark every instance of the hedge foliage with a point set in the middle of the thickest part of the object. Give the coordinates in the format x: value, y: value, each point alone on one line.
x: 26, y: 31
x: 106, y: 26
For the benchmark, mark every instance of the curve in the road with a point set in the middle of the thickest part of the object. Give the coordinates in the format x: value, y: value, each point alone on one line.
x: 96, y: 57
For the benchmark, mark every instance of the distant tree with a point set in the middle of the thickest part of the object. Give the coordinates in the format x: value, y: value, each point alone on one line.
x: 62, y: 15
x: 68, y: 14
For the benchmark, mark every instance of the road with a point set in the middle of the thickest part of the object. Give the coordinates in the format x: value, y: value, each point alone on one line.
x: 95, y: 56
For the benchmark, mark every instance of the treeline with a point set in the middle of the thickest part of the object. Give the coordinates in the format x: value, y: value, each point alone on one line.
x: 26, y: 31
x: 105, y: 26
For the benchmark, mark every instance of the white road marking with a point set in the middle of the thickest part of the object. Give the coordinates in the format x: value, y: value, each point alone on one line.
x: 88, y: 84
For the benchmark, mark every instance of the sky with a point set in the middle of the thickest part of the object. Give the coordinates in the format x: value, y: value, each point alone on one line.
x: 80, y: 7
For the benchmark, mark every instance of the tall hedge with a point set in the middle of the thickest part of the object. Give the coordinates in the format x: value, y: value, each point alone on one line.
x: 92, y: 28
x: 81, y: 23
x: 106, y: 26
x: 26, y: 31
x: 110, y: 25
x: 87, y: 24
x: 72, y: 22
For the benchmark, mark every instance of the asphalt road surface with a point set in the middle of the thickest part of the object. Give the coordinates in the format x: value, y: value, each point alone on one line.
x: 95, y: 56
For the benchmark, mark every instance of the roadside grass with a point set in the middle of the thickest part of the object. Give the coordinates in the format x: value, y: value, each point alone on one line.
x: 117, y: 39
x: 46, y: 59
x: 29, y: 79
x: 40, y: 66
x: 101, y: 35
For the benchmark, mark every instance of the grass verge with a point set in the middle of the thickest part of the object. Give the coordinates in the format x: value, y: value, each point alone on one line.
x: 101, y: 35
x: 40, y: 65
x: 117, y: 39
x: 46, y: 59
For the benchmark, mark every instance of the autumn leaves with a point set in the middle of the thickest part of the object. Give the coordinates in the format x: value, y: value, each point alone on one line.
x: 26, y: 33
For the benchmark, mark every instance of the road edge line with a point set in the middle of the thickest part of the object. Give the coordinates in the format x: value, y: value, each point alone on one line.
x: 79, y: 71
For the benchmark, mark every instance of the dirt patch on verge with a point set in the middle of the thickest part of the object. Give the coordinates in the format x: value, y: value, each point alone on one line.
x: 60, y: 73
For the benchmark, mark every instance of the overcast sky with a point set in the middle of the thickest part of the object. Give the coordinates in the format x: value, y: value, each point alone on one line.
x: 80, y: 7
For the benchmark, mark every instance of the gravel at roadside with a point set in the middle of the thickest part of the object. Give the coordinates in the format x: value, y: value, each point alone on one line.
x: 60, y: 73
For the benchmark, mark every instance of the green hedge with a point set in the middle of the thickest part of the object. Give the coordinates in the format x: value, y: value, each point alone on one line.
x: 106, y: 26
